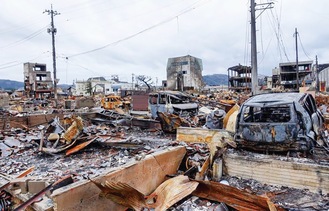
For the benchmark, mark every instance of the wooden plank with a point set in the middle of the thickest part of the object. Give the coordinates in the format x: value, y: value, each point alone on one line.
x: 145, y: 175
x: 27, y: 121
x: 238, y: 199
x: 16, y: 122
x: 35, y: 120
x: 213, y: 137
x: 291, y: 172
x: 196, y: 135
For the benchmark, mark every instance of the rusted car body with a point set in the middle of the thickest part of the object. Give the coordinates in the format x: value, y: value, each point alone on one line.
x: 111, y: 102
x: 279, y: 122
x: 172, y: 102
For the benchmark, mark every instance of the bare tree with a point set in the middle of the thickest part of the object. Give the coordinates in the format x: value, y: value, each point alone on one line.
x: 147, y: 80
x: 89, y: 88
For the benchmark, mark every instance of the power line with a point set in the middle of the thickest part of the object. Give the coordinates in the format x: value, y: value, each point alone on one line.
x: 261, y: 35
x: 85, y: 68
x: 29, y: 37
x: 8, y: 63
x: 306, y: 54
x: 16, y: 63
x: 134, y: 35
x: 278, y: 33
x: 268, y: 45
x: 13, y: 65
x: 246, y: 47
x: 27, y: 24
x: 115, y: 7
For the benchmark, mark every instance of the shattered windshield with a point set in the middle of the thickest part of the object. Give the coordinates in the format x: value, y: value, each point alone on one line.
x: 269, y: 114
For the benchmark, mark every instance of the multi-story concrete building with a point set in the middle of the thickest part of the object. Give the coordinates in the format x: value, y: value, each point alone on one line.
x: 287, y: 75
x: 184, y: 73
x: 95, y: 85
x: 37, y: 80
x: 239, y: 78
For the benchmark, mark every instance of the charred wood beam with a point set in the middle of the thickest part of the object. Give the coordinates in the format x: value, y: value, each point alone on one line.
x: 238, y: 199
x: 23, y: 174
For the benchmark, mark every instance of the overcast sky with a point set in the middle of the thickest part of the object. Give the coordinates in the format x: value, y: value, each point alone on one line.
x: 125, y: 37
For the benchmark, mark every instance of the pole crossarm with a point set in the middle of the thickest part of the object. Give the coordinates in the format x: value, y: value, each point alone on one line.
x: 263, y: 7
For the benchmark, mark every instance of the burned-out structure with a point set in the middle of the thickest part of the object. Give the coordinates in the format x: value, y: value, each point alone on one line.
x: 287, y: 74
x: 184, y: 73
x: 4, y: 99
x: 239, y: 78
x: 323, y: 77
x: 37, y: 80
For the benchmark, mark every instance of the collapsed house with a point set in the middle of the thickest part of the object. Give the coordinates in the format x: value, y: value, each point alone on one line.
x: 78, y: 160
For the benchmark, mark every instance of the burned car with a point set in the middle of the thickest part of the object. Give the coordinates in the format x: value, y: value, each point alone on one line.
x: 172, y: 102
x: 173, y: 109
x: 279, y: 122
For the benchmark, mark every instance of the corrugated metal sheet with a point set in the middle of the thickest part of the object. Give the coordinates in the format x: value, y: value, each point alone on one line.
x: 140, y: 102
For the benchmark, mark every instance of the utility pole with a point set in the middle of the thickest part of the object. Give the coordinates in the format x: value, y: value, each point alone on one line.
x: 254, y: 68
x: 254, y: 71
x: 297, y: 68
x: 156, y: 83
x: 53, y: 31
x: 132, y: 81
x: 317, y: 74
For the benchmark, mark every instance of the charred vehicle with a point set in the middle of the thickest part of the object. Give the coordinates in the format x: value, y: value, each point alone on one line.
x: 172, y: 102
x: 173, y: 109
x: 111, y: 102
x: 279, y: 122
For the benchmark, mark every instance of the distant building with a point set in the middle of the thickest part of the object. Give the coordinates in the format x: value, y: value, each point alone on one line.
x: 239, y: 78
x: 95, y: 85
x: 37, y: 80
x: 119, y: 86
x: 184, y: 73
x: 4, y: 99
x: 269, y: 82
x: 286, y: 75
x: 323, y: 74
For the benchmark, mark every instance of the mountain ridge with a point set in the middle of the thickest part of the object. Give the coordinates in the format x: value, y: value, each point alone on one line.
x: 210, y: 80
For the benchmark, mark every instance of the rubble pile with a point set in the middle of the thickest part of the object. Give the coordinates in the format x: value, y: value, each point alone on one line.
x: 94, y: 159
x: 86, y: 147
x: 288, y: 198
x: 5, y: 200
x: 222, y: 99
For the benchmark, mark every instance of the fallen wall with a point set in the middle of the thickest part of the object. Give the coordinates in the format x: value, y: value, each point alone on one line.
x: 290, y: 172
x: 145, y: 175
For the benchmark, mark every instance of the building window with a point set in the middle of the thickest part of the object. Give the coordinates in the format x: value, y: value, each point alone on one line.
x: 184, y: 72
